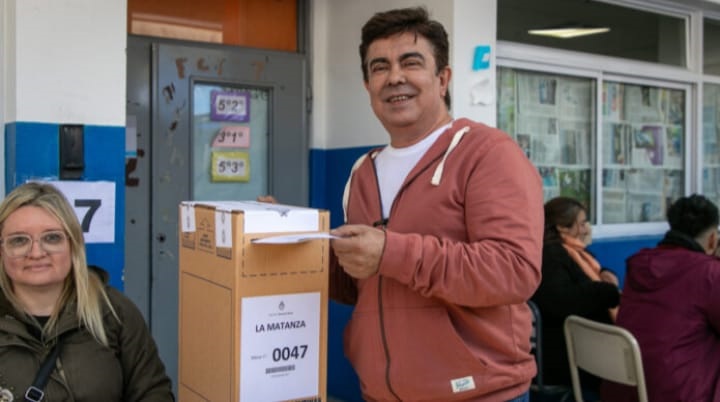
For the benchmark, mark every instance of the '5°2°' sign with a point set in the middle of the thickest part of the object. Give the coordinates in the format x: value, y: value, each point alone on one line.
x: 230, y: 105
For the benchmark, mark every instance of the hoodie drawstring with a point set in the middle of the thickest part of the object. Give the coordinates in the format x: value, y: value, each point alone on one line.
x: 439, y: 169
x: 434, y: 181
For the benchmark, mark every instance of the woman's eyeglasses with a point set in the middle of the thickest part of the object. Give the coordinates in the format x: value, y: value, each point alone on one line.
x: 20, y: 245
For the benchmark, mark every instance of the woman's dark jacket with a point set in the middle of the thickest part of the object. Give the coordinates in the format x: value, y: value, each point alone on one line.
x: 565, y: 289
x: 129, y: 370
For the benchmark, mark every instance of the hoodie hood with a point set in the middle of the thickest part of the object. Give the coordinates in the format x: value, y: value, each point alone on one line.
x: 458, y: 133
x: 652, y: 269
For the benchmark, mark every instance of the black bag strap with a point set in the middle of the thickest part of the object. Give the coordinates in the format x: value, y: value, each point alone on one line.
x: 35, y: 392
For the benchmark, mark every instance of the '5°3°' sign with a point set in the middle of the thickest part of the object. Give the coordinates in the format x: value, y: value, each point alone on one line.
x: 230, y: 166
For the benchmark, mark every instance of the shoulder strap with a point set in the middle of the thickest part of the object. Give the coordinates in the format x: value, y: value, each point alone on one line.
x: 35, y: 392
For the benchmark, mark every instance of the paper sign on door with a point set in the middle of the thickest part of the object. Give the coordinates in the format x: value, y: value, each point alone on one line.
x: 230, y: 105
x: 232, y: 137
x: 230, y: 166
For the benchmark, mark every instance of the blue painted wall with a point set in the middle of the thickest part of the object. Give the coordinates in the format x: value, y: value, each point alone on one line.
x: 612, y: 253
x: 329, y: 172
x: 32, y: 152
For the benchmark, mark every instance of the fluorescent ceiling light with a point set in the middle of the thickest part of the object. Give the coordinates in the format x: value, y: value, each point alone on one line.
x: 569, y: 31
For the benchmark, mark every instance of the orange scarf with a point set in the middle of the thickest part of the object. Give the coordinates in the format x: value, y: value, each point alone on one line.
x: 576, y: 249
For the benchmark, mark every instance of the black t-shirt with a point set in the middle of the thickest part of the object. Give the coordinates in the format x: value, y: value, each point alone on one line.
x: 35, y: 331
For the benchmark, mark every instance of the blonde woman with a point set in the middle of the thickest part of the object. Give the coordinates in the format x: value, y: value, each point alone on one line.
x: 51, y: 301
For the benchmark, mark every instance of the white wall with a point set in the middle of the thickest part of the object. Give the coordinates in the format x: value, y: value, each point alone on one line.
x: 7, y: 54
x: 69, y: 61
x: 341, y: 108
x: 474, y: 25
x: 7, y: 77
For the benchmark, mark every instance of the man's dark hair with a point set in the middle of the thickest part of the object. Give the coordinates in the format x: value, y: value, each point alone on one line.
x: 692, y: 215
x: 414, y: 20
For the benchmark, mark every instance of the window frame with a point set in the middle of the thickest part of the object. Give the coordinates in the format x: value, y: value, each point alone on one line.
x: 704, y: 79
x: 666, y: 8
x: 649, y: 228
x: 585, y: 65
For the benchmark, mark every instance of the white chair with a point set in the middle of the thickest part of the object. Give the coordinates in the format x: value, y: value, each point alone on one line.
x: 607, y: 351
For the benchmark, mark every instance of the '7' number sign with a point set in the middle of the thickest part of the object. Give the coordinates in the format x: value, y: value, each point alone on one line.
x: 94, y: 205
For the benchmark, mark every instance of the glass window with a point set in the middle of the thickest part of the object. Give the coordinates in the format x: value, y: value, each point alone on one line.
x: 229, y: 142
x: 551, y: 117
x: 711, y: 47
x: 711, y: 142
x: 631, y: 34
x: 642, y: 151
x: 642, y: 141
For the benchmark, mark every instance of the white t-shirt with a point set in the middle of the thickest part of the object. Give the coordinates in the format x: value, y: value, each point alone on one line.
x: 393, y: 165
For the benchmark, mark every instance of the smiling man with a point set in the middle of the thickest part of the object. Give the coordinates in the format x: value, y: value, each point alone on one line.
x: 442, y: 243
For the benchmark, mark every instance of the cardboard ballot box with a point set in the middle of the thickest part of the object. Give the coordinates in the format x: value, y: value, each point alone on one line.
x: 252, y: 315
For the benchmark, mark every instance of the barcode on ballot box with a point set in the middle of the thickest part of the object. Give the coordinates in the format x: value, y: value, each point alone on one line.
x: 280, y: 369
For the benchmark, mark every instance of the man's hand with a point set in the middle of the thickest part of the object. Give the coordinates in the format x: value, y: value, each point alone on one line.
x: 359, y: 250
x: 267, y: 198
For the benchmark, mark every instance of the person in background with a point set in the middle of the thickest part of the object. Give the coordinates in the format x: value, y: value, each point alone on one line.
x: 573, y: 283
x: 50, y: 299
x: 442, y: 245
x: 671, y: 304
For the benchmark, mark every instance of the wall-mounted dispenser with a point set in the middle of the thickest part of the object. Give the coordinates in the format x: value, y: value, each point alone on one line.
x: 72, y: 159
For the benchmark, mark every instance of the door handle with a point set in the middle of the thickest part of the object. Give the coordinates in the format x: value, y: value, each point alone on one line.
x: 160, y: 237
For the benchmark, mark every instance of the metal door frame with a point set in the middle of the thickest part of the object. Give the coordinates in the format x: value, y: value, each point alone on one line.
x: 151, y: 278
